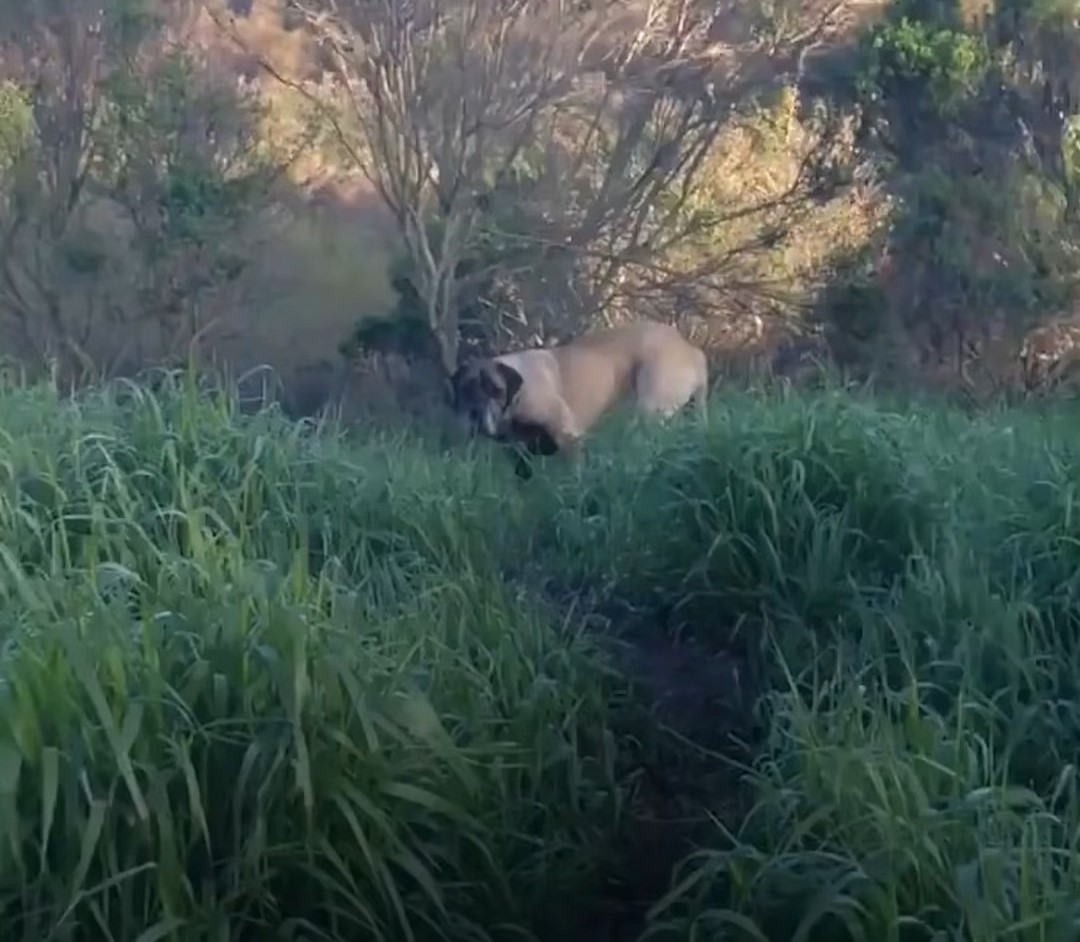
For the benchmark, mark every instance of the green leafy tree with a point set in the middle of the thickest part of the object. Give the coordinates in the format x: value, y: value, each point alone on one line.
x: 932, y: 69
x: 182, y: 157
x: 16, y: 126
x: 120, y: 208
x: 982, y: 245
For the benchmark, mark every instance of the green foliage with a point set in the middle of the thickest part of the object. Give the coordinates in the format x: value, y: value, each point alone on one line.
x: 16, y: 124
x: 984, y: 230
x: 118, y: 27
x: 919, y: 64
x: 1039, y: 19
x: 983, y: 242
x: 977, y: 259
x: 143, y: 217
x: 128, y: 22
x: 402, y: 332
x: 200, y: 190
x: 1070, y: 150
x: 937, y: 13
x: 855, y: 314
x: 1025, y: 213
x: 405, y: 331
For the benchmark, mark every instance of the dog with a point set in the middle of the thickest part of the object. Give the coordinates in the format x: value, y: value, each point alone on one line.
x: 546, y: 400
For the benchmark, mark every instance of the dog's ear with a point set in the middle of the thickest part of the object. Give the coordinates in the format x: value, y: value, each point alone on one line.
x: 513, y: 380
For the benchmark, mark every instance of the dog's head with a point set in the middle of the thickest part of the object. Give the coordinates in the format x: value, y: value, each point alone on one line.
x: 483, y: 392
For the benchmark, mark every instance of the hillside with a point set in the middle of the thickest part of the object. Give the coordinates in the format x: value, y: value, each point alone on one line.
x: 894, y: 197
x: 928, y: 263
x: 805, y: 668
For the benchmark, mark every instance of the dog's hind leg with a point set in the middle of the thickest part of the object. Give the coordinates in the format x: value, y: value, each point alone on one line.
x: 661, y: 394
x: 700, y: 400
x: 650, y: 400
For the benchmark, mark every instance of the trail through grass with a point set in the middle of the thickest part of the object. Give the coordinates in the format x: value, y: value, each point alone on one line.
x: 262, y: 680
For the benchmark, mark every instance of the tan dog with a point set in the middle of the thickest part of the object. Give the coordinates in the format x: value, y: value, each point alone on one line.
x: 550, y: 398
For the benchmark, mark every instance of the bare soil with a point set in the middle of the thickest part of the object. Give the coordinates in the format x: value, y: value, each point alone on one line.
x: 695, y: 709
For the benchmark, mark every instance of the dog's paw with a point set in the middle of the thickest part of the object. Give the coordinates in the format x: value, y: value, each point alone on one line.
x: 522, y: 466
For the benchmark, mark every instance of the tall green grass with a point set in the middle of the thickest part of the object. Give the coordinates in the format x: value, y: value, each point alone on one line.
x: 256, y: 684
x: 908, y: 584
x: 270, y: 681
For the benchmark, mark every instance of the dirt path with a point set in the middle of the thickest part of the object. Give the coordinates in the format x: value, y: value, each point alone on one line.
x: 694, y: 709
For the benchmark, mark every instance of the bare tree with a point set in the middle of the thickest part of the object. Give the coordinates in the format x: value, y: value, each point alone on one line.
x: 570, y: 132
x: 620, y: 200
x: 60, y: 60
x: 447, y: 95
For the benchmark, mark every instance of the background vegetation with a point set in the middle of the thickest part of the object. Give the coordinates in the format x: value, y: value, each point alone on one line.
x: 887, y: 184
x: 806, y: 670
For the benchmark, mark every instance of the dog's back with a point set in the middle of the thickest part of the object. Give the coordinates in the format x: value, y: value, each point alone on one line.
x: 597, y: 370
x: 651, y: 361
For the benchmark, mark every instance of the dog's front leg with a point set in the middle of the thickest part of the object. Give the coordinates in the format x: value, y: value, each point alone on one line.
x: 570, y: 440
x: 570, y: 447
x: 522, y: 463
x: 564, y: 430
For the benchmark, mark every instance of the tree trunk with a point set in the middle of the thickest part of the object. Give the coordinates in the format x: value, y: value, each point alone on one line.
x: 443, y: 318
x: 446, y: 334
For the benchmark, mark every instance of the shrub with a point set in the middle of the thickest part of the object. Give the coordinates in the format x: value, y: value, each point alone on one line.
x: 914, y: 61
x: 16, y: 124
